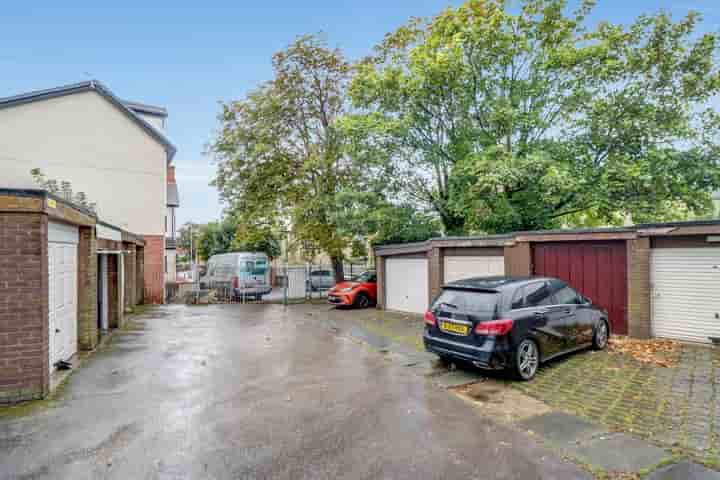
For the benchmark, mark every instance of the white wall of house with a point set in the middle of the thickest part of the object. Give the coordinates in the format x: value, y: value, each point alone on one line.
x: 84, y: 139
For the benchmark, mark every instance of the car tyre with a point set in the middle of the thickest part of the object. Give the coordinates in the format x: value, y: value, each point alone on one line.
x: 362, y: 300
x: 527, y: 360
x: 601, y: 335
x: 445, y: 360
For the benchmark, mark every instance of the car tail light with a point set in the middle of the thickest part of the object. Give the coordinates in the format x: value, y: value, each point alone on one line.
x: 494, y: 327
x: 430, y: 318
x: 236, y: 282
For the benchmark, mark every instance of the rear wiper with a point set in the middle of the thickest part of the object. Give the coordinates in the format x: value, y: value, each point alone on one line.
x: 448, y: 305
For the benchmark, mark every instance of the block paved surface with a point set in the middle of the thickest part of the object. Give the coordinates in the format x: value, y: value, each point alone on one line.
x: 676, y: 408
x: 256, y: 391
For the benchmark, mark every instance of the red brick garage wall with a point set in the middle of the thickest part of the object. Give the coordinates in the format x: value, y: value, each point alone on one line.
x: 154, y: 269
x: 598, y: 269
x: 24, y: 369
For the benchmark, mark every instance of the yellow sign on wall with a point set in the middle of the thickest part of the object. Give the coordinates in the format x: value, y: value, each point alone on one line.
x: 51, y: 203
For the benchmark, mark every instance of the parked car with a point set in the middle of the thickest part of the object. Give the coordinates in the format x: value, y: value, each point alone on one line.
x: 512, y: 323
x: 245, y: 274
x: 321, y: 280
x: 360, y: 292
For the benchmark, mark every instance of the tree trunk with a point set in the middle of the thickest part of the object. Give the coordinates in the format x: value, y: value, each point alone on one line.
x: 338, y: 268
x: 452, y: 224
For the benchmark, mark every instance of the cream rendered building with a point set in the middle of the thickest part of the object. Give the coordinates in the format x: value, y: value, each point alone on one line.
x: 115, y: 151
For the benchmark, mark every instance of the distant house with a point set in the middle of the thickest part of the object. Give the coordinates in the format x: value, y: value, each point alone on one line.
x: 115, y: 151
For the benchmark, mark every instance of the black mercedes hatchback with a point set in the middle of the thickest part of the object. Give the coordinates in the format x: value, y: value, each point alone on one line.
x: 512, y: 323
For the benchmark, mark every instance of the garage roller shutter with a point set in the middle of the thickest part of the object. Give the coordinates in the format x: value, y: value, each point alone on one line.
x: 685, y: 289
x: 458, y: 268
x: 406, y: 284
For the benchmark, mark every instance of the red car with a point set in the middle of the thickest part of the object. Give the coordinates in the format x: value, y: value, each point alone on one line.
x: 360, y: 292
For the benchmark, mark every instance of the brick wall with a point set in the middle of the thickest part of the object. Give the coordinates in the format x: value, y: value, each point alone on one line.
x: 139, y: 275
x: 380, y: 271
x: 638, y: 257
x: 154, y: 257
x: 130, y: 272
x: 435, y: 272
x: 88, y: 334
x: 24, y: 363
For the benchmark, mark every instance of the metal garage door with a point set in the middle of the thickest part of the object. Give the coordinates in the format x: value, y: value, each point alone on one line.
x: 406, y: 284
x: 62, y: 291
x: 457, y: 268
x: 685, y: 293
x: 597, y: 269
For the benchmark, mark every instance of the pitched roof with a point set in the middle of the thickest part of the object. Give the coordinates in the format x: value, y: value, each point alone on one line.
x: 93, y: 85
x: 145, y: 108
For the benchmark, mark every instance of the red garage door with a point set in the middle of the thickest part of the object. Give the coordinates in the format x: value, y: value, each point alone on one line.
x: 598, y: 270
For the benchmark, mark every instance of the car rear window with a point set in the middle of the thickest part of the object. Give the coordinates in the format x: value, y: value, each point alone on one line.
x: 467, y: 301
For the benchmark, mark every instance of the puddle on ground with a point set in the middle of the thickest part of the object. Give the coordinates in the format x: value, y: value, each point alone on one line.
x: 500, y: 400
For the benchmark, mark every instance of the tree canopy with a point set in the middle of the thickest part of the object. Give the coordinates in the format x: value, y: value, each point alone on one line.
x: 509, y: 121
x: 485, y: 118
x: 281, y: 152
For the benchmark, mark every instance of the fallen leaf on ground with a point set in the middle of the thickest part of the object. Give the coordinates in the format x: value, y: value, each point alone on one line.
x: 658, y: 352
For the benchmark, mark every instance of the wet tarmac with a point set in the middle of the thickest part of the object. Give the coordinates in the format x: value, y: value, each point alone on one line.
x: 258, y: 391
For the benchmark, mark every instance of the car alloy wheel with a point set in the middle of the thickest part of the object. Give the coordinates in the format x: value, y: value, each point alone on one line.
x: 363, y: 301
x: 527, y: 359
x: 601, y: 335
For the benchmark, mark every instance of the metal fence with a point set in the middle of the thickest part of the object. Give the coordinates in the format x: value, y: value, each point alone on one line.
x: 311, y: 280
x: 291, y: 283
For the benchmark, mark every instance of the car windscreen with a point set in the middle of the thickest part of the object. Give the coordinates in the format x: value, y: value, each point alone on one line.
x: 254, y: 267
x: 365, y: 277
x: 260, y: 267
x: 467, y: 301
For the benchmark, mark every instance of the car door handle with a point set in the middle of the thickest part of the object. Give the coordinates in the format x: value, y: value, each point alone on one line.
x: 540, y: 314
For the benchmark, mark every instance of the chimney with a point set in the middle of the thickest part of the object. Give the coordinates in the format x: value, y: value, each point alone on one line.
x: 170, y: 174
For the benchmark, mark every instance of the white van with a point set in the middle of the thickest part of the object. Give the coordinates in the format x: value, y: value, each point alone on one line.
x: 246, y: 273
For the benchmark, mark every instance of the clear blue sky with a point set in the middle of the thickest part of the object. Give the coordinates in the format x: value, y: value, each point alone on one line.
x: 189, y: 57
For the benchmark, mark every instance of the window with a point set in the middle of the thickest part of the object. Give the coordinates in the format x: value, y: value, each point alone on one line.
x: 538, y: 294
x: 567, y: 296
x: 366, y: 277
x: 467, y: 301
x: 518, y: 299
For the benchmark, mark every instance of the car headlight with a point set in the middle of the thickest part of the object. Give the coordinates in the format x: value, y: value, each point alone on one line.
x: 346, y: 289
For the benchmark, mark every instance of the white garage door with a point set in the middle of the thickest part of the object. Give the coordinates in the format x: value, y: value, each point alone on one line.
x: 458, y: 268
x: 406, y: 284
x: 62, y: 291
x: 686, y: 293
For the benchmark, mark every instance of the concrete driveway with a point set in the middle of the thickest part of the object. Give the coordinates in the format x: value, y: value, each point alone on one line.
x: 256, y: 391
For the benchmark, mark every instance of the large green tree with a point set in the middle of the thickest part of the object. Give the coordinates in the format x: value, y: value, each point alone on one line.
x: 282, y: 152
x: 215, y: 238
x: 509, y: 119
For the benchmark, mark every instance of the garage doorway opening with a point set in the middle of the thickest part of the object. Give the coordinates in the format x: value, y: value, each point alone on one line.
x: 102, y: 294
